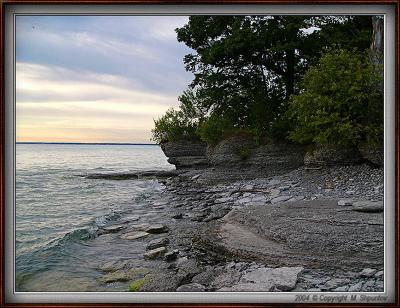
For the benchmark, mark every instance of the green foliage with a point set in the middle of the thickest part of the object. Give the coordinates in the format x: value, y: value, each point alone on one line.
x: 244, y: 153
x: 213, y: 129
x: 246, y: 68
x: 179, y: 124
x: 336, y: 102
x: 136, y: 285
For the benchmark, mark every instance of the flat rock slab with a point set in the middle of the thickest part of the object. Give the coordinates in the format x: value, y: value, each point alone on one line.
x: 156, y: 229
x: 316, y: 234
x: 115, y: 276
x: 155, y: 253
x: 368, y: 206
x: 134, y: 175
x: 265, y: 279
x: 134, y: 235
x: 112, y: 229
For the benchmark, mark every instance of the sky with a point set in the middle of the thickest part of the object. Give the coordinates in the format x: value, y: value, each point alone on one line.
x: 96, y: 78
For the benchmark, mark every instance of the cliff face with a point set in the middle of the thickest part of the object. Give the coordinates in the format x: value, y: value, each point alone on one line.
x: 185, y: 154
x: 234, y: 152
x: 276, y: 158
x: 241, y: 152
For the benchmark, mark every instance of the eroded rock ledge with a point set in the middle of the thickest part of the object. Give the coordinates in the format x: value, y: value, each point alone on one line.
x: 314, y: 234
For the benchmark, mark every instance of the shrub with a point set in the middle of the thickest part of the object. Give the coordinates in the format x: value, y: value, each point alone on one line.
x: 214, y: 128
x: 337, y: 98
x: 244, y: 153
x: 173, y: 126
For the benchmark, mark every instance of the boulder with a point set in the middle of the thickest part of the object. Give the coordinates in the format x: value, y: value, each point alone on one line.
x: 157, y: 243
x: 185, y: 154
x: 191, y: 287
x: 332, y: 155
x: 282, y: 279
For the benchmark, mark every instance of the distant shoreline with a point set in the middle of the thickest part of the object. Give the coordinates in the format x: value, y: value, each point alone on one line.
x: 86, y: 143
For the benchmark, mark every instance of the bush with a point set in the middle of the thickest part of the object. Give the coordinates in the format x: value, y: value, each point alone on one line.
x: 173, y: 126
x: 244, y: 153
x: 337, y: 98
x: 213, y: 129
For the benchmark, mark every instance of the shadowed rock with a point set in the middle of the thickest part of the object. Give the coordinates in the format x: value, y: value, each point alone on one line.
x: 316, y: 234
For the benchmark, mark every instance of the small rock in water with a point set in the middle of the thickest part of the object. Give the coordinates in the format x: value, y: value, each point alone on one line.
x: 113, y: 229
x: 368, y: 272
x: 112, y: 266
x: 155, y: 253
x: 283, y: 188
x: 280, y: 199
x: 156, y: 243
x: 368, y: 206
x: 177, y: 216
x: 345, y: 202
x: 115, y: 276
x: 130, y: 218
x: 191, y: 287
x: 195, y: 177
x: 171, y: 256
x: 156, y: 229
x: 134, y: 235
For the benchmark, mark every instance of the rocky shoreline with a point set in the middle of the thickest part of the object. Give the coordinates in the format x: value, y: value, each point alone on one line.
x: 236, y: 230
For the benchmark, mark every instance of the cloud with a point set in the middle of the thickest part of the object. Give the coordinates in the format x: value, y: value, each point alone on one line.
x: 52, y: 99
x: 96, y: 78
x: 141, y: 48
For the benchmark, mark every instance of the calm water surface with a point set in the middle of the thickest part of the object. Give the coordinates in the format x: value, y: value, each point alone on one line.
x: 58, y: 211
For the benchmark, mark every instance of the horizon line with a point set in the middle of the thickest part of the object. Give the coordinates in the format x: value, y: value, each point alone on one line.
x: 86, y: 143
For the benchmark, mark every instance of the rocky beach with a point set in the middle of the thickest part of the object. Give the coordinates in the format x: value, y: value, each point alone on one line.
x: 214, y: 228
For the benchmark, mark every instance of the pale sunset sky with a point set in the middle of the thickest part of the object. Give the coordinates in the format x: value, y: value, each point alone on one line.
x: 96, y: 78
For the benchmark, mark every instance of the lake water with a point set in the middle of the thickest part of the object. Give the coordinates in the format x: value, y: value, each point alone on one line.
x: 58, y: 210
